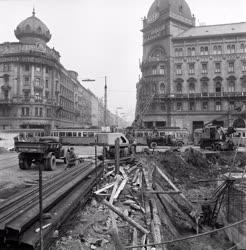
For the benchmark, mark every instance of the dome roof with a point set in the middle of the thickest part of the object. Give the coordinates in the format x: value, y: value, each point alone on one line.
x: 32, y: 30
x: 179, y: 7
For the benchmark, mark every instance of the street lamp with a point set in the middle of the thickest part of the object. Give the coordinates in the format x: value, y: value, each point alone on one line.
x: 105, y: 96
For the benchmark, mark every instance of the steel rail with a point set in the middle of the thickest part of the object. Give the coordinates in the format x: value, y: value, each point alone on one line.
x: 19, y: 196
x: 60, y: 212
x: 20, y: 223
x: 29, y: 201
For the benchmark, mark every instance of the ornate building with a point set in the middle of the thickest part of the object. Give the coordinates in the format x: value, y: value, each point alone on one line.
x: 190, y: 74
x: 36, y: 91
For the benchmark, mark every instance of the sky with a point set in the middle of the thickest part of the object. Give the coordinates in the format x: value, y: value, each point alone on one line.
x: 100, y: 38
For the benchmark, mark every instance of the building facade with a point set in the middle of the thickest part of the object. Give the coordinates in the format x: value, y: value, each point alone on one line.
x: 36, y: 91
x: 190, y: 74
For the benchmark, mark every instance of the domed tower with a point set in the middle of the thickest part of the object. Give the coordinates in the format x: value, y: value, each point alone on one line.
x: 32, y: 30
x: 165, y: 20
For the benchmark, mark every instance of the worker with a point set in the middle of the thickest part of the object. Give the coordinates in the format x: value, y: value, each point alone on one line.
x: 71, y: 158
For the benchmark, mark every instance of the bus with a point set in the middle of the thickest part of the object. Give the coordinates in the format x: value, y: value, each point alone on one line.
x: 179, y: 134
x: 76, y: 136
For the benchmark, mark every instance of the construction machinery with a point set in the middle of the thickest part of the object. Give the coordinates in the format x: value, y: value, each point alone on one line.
x: 44, y: 151
x: 214, y: 136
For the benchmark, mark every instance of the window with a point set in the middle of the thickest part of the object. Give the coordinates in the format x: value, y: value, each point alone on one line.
x: 38, y: 82
x: 231, y: 105
x: 243, y: 48
x: 179, y: 87
x: 192, y: 106
x: 154, y: 70
x: 26, y: 95
x: 178, y: 52
x: 218, y: 87
x: 47, y: 94
x: 40, y: 112
x: 204, y: 87
x: 217, y: 67
x: 162, y: 70
x: 179, y: 106
x: 204, y: 106
x: 38, y: 96
x: 231, y: 67
x: 204, y: 68
x: 244, y: 85
x: 163, y: 107
x: 25, y: 111
x: 6, y: 67
x: 178, y: 69
x: 189, y: 51
x: 36, y: 111
x: 217, y: 50
x: 204, y: 50
x: 47, y: 70
x: 26, y: 80
x: 193, y: 51
x: 191, y: 68
x: 231, y: 87
x: 162, y: 88
x: 231, y: 49
x: 46, y: 83
x: 27, y: 67
x: 38, y: 69
x: 49, y: 112
x: 244, y: 66
x: 218, y: 106
x: 192, y: 87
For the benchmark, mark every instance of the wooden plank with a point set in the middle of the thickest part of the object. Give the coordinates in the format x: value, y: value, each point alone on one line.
x: 120, y: 188
x: 104, y: 188
x: 135, y: 238
x: 128, y: 219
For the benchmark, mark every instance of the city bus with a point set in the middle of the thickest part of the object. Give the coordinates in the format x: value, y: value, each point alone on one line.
x: 179, y: 134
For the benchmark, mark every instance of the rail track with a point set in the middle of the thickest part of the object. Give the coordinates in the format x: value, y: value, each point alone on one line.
x: 19, y: 215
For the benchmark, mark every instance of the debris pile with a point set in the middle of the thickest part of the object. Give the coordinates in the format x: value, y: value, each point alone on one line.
x: 154, y: 200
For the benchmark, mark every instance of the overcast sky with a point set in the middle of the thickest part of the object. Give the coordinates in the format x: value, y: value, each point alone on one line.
x: 102, y: 37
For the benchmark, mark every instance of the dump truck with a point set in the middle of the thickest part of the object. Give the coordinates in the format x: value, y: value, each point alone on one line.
x: 44, y: 151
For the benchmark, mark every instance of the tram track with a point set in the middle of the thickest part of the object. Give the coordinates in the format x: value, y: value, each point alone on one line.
x: 20, y: 213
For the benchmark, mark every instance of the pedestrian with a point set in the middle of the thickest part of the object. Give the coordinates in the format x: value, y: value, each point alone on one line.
x: 71, y: 158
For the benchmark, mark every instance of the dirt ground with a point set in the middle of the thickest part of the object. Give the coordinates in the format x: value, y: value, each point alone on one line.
x: 90, y: 227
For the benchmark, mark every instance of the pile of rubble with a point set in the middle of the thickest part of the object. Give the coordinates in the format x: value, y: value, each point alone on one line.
x: 148, y: 202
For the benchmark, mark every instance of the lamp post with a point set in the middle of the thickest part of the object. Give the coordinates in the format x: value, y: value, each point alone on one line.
x: 105, y: 97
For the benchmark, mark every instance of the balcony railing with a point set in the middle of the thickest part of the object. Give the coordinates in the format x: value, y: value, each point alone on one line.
x: 206, y: 94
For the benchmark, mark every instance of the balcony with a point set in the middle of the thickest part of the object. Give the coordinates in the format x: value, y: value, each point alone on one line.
x: 6, y: 87
x: 5, y: 101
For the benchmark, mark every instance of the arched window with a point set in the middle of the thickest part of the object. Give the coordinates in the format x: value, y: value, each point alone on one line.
x: 39, y: 29
x: 179, y: 87
x: 193, y: 51
x: 202, y: 50
x: 219, y: 50
x: 231, y: 86
x: 189, y: 51
x: 162, y: 88
x: 157, y: 54
x: 192, y: 87
x: 215, y: 50
x: 204, y: 88
x: 206, y: 51
x: 242, y: 48
x: 218, y: 88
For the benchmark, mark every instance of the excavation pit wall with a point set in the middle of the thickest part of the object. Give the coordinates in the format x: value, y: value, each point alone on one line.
x: 233, y: 210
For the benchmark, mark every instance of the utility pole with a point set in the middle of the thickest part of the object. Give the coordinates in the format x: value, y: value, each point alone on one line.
x: 105, y: 102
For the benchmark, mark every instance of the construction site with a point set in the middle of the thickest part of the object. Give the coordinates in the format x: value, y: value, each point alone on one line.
x: 171, y: 198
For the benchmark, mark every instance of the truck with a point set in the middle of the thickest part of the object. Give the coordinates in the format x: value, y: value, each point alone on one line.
x: 107, y: 140
x: 44, y: 151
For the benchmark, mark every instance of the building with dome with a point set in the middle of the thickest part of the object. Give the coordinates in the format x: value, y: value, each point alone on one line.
x: 36, y: 91
x: 190, y: 74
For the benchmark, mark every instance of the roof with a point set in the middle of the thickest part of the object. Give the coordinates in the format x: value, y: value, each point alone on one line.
x: 179, y: 7
x: 214, y: 30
